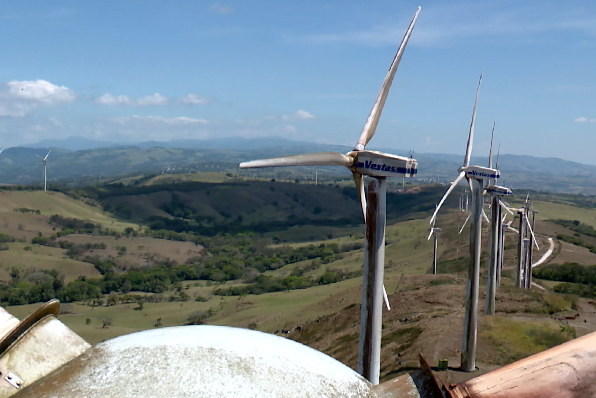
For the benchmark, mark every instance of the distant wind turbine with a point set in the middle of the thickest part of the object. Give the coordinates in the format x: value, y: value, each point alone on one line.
x: 379, y: 166
x: 434, y: 231
x: 475, y: 176
x: 45, y: 170
x: 496, y: 193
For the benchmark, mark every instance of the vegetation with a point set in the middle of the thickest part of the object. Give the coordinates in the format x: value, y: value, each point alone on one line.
x: 577, y: 226
x: 579, y: 279
x: 574, y: 240
x: 268, y: 284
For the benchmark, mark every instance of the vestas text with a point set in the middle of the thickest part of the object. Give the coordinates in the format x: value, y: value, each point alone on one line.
x: 480, y: 174
x: 367, y: 164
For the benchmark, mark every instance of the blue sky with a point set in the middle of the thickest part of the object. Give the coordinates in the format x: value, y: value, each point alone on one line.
x: 309, y: 70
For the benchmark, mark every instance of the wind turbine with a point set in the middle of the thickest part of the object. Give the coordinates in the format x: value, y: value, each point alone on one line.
x: 523, y: 274
x: 379, y: 166
x: 475, y: 175
x: 434, y: 231
x: 45, y: 171
x: 496, y: 193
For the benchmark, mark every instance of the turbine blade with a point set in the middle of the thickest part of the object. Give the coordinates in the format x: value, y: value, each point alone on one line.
x: 471, y: 134
x: 453, y: 184
x: 46, y: 157
x: 309, y: 159
x: 386, y: 298
x: 513, y: 229
x: 430, y: 234
x: 373, y: 119
x: 39, y: 156
x: 485, y: 216
x: 361, y: 194
x: 531, y: 232
x: 1, y: 150
x: 505, y: 207
x: 498, y: 153
x: 490, y: 152
x: 463, y: 226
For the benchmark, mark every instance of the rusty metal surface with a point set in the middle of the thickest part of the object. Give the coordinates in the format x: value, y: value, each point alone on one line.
x: 565, y: 371
x: 201, y: 361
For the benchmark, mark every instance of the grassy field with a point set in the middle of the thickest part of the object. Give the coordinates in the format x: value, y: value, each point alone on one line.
x: 41, y: 257
x: 50, y: 203
x: 427, y: 310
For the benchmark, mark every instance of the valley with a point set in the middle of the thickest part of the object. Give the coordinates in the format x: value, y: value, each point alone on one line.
x: 199, y: 251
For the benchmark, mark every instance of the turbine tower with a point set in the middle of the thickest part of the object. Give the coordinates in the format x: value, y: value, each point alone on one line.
x: 496, y: 193
x: 44, y: 160
x: 434, y: 231
x: 475, y: 176
x: 379, y: 166
x: 523, y: 277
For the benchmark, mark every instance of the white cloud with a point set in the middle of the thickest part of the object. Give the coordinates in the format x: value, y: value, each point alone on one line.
x: 452, y: 23
x: 15, y: 109
x: 429, y: 143
x: 40, y: 91
x: 18, y: 98
x: 299, y: 115
x: 584, y: 119
x: 150, y: 100
x: 221, y: 9
x: 180, y: 120
x: 55, y: 121
x: 195, y: 99
x: 153, y: 100
x: 110, y: 99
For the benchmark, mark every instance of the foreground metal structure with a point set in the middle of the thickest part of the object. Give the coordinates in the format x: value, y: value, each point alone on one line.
x: 41, y: 357
x: 379, y: 166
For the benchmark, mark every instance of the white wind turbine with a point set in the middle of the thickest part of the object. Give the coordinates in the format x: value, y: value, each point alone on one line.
x: 475, y: 176
x: 45, y: 171
x: 523, y: 277
x: 496, y: 193
x: 379, y: 166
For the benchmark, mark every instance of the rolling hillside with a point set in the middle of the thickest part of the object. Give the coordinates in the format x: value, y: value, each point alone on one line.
x: 103, y: 162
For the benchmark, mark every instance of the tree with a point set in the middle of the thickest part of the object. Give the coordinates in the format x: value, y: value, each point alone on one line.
x: 105, y: 322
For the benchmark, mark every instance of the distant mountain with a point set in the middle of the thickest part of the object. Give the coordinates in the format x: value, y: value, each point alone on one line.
x: 19, y: 165
x: 72, y: 143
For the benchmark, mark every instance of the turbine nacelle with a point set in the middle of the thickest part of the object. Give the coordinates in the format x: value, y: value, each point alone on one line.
x: 379, y: 164
x: 497, y: 190
x: 480, y: 173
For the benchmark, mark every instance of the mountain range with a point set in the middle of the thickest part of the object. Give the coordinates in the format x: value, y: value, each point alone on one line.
x: 79, y: 161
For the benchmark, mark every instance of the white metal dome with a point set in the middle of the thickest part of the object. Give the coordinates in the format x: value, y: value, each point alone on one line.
x: 201, y: 361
